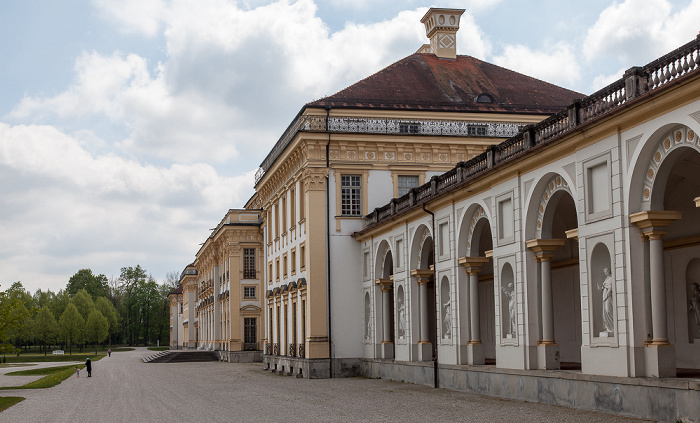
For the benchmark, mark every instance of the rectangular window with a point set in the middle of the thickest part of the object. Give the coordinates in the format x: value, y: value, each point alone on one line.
x: 250, y: 330
x: 350, y: 195
x: 269, y: 273
x: 365, y: 265
x: 249, y: 263
x: 293, y: 208
x: 277, y: 221
x: 406, y: 182
x: 302, y: 202
x: 277, y: 268
x: 302, y: 256
x: 284, y: 265
x: 248, y: 292
x: 293, y: 261
x: 284, y: 213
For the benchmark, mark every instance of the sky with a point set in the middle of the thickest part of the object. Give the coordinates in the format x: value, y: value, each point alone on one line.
x: 128, y: 128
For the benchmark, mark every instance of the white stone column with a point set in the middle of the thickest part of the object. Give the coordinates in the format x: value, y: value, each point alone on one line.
x: 475, y: 349
x: 660, y: 354
x: 386, y: 286
x: 425, y: 348
x: 547, y: 348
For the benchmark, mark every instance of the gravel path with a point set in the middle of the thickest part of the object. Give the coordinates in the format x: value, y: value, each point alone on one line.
x: 124, y: 389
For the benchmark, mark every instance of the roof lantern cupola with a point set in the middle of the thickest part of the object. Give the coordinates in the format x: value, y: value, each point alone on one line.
x: 441, y: 26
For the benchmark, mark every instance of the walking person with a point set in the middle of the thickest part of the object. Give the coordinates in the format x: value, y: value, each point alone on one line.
x: 77, y: 371
x: 88, y: 366
x: 109, y: 352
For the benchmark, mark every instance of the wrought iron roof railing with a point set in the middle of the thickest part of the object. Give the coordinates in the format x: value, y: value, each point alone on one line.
x: 636, y: 82
x: 361, y: 125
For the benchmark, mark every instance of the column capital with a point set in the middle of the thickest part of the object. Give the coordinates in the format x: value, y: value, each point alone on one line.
x: 697, y: 202
x: 385, y: 284
x: 422, y: 275
x: 544, y: 248
x: 653, y: 223
x: 473, y: 264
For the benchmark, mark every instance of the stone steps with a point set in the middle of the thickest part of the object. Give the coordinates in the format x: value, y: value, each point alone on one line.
x: 182, y: 357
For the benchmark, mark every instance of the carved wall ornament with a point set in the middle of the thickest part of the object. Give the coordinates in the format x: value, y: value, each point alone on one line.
x: 662, y: 150
x: 479, y: 214
x: 556, y: 183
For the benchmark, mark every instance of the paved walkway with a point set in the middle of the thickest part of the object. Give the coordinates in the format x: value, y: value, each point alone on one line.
x: 124, y: 389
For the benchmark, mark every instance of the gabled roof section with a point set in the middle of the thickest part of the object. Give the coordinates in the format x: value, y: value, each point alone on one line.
x: 423, y: 81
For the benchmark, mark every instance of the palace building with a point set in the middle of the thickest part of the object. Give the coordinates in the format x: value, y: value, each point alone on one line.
x: 449, y: 222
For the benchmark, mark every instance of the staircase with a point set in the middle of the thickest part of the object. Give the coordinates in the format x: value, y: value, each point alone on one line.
x: 182, y: 357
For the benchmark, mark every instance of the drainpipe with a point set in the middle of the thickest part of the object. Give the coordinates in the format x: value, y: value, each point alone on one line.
x: 436, y: 375
x: 328, y: 244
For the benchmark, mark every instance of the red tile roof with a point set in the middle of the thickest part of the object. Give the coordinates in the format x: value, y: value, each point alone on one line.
x: 425, y: 82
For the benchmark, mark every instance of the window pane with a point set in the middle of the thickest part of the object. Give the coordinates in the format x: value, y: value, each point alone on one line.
x: 350, y: 195
x: 406, y: 182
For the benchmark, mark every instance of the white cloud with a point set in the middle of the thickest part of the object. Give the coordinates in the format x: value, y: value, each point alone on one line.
x: 635, y: 32
x: 67, y: 209
x: 141, y: 16
x: 556, y: 64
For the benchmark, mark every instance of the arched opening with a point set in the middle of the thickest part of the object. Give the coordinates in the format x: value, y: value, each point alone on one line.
x: 423, y: 319
x: 482, y: 241
x: 677, y: 188
x: 558, y: 221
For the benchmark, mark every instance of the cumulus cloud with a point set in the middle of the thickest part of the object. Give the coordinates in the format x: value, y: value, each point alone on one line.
x: 202, y: 93
x: 634, y: 32
x: 556, y: 64
x: 67, y: 209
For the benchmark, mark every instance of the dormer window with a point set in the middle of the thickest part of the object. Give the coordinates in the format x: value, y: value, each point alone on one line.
x: 484, y: 98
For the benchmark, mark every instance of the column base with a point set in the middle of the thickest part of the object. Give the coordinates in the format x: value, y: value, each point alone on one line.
x: 425, y: 351
x: 548, y: 357
x: 475, y: 354
x: 660, y: 360
x: 387, y: 350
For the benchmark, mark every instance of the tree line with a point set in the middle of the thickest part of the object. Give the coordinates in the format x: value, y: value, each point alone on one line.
x: 132, y: 309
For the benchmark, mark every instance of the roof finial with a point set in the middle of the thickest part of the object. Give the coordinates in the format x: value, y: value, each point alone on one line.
x: 441, y: 26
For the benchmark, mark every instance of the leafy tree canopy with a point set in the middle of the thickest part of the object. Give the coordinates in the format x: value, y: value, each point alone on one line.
x: 95, y: 285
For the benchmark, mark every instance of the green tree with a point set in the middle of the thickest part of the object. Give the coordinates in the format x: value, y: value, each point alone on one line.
x: 83, y: 302
x: 45, y: 326
x: 12, y: 314
x: 130, y: 281
x: 42, y: 298
x: 59, y: 303
x: 97, y: 328
x: 95, y: 285
x: 72, y: 326
x: 107, y: 309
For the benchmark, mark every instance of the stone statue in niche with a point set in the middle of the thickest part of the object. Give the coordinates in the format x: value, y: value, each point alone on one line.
x: 509, y: 292
x: 447, y: 324
x: 694, y: 301
x: 368, y: 326
x: 402, y: 318
x: 608, y: 319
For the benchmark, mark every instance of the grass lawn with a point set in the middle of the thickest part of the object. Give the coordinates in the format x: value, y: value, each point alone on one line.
x: 26, y: 358
x: 7, y: 402
x: 52, y: 376
x: 158, y: 348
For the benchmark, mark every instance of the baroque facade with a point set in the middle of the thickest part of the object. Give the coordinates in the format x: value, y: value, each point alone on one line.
x: 558, y: 261
x: 571, y: 248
